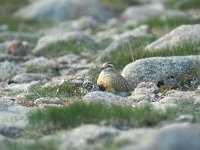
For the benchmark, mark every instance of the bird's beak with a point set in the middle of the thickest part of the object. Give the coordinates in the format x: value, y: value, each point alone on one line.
x: 101, y: 68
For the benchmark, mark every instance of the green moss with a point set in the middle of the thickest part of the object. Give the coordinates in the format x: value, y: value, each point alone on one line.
x: 60, y: 48
x: 65, y: 90
x: 123, y: 56
x: 80, y: 113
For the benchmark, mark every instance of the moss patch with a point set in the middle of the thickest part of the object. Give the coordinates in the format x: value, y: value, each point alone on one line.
x: 61, y: 48
x: 81, y: 113
x: 123, y: 56
x: 65, y: 90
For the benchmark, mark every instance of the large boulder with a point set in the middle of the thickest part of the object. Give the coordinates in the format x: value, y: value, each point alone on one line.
x: 58, y: 10
x: 177, y: 37
x: 160, y: 70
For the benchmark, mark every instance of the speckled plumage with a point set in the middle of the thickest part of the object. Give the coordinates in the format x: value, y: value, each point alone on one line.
x: 111, y: 80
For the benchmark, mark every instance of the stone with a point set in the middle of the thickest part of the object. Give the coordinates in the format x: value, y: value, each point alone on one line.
x: 145, y: 91
x: 41, y: 64
x: 10, y: 131
x: 139, y: 14
x: 66, y: 37
x: 160, y: 70
x: 59, y: 10
x: 105, y: 97
x: 17, y: 47
x: 48, y: 100
x: 185, y: 118
x: 163, y: 106
x: 86, y: 134
x: 81, y: 24
x: 28, y: 77
x: 24, y: 87
x: 177, y: 136
x: 12, y: 114
x: 9, y: 70
x: 177, y: 37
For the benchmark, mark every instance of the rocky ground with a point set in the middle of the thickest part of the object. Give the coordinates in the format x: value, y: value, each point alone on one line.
x: 50, y: 55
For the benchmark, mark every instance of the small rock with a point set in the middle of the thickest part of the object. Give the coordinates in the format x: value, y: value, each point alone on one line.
x: 9, y: 70
x: 48, y: 100
x: 185, y: 118
x: 131, y: 14
x: 106, y: 97
x: 87, y: 134
x: 10, y: 131
x: 28, y: 77
x: 197, y: 101
x: 12, y: 114
x: 23, y: 87
x: 163, y: 106
x: 66, y: 37
x: 17, y: 48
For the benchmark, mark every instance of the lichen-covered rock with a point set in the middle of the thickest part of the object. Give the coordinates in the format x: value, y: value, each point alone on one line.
x: 106, y: 97
x: 28, y: 77
x: 180, y: 36
x: 81, y: 136
x: 9, y: 70
x: 138, y: 14
x: 80, y: 24
x: 145, y: 91
x: 12, y: 114
x: 24, y: 87
x: 59, y: 10
x: 48, y: 100
x: 67, y: 38
x: 41, y: 65
x: 177, y: 136
x: 160, y: 70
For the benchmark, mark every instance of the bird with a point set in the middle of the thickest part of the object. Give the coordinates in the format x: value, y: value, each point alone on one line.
x: 111, y: 80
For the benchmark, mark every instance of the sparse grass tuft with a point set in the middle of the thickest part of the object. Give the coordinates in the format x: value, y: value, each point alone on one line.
x: 37, y: 145
x: 184, y: 4
x: 122, y: 56
x: 63, y: 91
x: 161, y: 26
x: 80, y: 113
x: 169, y: 22
x: 61, y: 48
x: 190, y: 80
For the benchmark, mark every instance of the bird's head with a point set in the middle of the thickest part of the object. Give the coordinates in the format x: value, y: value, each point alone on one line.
x: 107, y: 67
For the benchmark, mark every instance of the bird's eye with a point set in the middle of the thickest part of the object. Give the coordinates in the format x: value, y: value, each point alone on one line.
x: 110, y: 65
